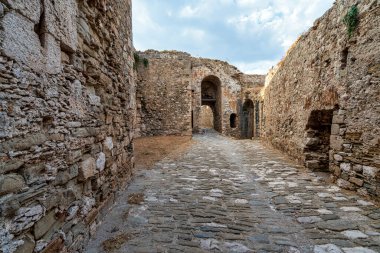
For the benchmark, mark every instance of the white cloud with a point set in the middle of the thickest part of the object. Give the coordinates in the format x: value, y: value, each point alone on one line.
x: 249, y: 33
x: 282, y: 21
x: 194, y: 34
x: 204, y: 9
x: 189, y: 12
x: 143, y: 23
x: 256, y: 67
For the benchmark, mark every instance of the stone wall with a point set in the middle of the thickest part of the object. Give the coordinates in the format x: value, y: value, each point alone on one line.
x: 252, y: 92
x: 322, y: 103
x: 225, y: 76
x: 67, y: 106
x: 169, y: 93
x: 163, y: 94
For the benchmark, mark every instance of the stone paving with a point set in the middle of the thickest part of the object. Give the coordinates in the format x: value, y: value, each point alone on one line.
x: 228, y: 195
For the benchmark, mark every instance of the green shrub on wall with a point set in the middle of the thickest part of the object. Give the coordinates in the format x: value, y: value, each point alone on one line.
x: 351, y: 20
x: 138, y: 61
x: 145, y: 62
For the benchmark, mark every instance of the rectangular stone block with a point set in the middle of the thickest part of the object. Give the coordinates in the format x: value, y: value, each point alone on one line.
x: 11, y: 183
x: 357, y: 181
x: 23, y: 143
x: 87, y: 168
x: 370, y: 172
x: 52, y: 54
x: 42, y: 226
x: 20, y: 42
x: 61, y: 21
x: 338, y: 119
x: 335, y: 129
x: 30, y: 9
x: 11, y: 165
x: 336, y: 142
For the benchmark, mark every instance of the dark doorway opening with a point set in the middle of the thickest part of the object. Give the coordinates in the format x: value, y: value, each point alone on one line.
x: 317, y: 146
x: 233, y: 120
x: 247, y: 120
x: 211, y: 94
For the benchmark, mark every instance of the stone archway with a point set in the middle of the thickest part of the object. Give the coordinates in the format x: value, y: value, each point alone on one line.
x: 211, y: 95
x: 247, y: 120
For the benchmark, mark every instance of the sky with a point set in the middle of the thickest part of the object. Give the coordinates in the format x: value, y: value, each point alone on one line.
x: 252, y: 35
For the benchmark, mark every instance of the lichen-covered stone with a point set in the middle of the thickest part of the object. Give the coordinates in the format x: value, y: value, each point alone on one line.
x: 87, y: 168
x: 10, y: 183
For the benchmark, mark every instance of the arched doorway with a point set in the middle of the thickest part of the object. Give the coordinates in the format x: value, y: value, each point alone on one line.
x: 247, y: 120
x: 211, y: 95
x: 206, y: 119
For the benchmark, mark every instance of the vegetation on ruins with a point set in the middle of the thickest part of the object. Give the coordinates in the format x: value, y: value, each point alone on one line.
x: 351, y: 20
x: 138, y: 60
x: 145, y: 62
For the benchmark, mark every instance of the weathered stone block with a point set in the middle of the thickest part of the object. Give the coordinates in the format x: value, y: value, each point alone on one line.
x: 338, y: 119
x: 62, y: 178
x: 87, y: 168
x: 61, y: 21
x: 11, y: 183
x: 52, y: 199
x: 30, y: 9
x: 370, y: 172
x: 20, y: 42
x: 358, y: 168
x: 345, y: 184
x: 10, y: 165
x: 27, y: 246
x: 17, y: 144
x: 357, y: 181
x: 101, y: 161
x: 44, y: 224
x: 346, y: 167
x: 26, y: 217
x: 336, y: 142
x: 335, y: 129
x: 55, y: 246
x: 34, y: 174
x: 52, y: 54
x: 338, y: 157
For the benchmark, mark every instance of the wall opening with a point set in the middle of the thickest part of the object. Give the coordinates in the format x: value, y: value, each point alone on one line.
x: 247, y: 120
x: 317, y: 146
x: 343, y: 58
x: 233, y: 120
x: 211, y: 95
x: 206, y: 117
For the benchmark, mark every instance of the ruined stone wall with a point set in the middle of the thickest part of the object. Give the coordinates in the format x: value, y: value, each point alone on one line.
x: 169, y: 92
x: 67, y: 100
x: 326, y: 72
x: 164, y: 94
x: 252, y: 89
x: 230, y: 90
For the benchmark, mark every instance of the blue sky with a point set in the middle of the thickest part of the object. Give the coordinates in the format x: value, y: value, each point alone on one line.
x: 253, y: 35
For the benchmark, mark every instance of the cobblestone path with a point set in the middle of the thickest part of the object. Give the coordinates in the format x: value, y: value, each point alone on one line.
x: 228, y: 195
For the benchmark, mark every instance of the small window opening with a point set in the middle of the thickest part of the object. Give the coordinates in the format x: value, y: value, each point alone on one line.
x: 343, y: 59
x: 47, y: 122
x: 233, y: 120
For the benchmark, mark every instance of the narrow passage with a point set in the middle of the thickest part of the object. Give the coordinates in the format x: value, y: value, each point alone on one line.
x: 227, y: 195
